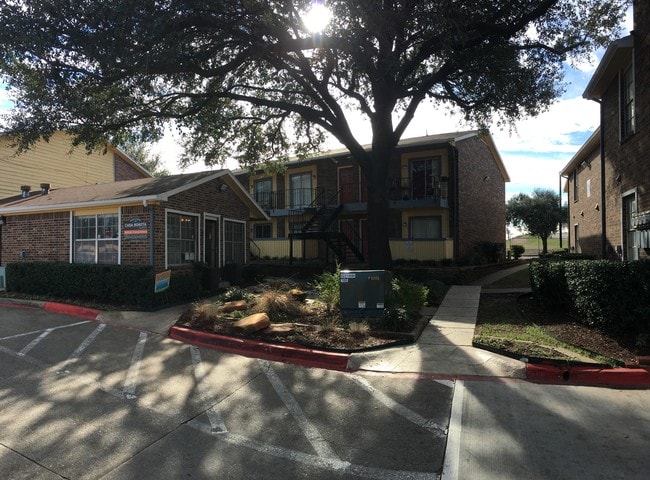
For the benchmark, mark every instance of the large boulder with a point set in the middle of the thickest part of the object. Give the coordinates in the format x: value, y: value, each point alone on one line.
x: 253, y: 323
x: 233, y: 306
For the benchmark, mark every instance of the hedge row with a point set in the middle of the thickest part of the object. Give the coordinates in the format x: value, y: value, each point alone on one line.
x: 128, y: 285
x: 614, y: 296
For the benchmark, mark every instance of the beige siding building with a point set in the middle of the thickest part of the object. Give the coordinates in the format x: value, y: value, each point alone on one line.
x: 61, y: 165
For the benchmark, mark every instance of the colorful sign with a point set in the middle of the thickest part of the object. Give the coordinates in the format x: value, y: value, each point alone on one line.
x: 135, y: 229
x: 162, y: 281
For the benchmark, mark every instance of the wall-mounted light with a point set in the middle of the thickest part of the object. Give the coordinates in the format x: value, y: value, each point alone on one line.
x: 223, y: 187
x: 3, y: 220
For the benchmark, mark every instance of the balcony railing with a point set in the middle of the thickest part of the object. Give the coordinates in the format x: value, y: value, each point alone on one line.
x: 425, y: 188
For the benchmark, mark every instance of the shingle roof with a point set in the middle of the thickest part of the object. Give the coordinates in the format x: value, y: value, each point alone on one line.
x: 126, y: 191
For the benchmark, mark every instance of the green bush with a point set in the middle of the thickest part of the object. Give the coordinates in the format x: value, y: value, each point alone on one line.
x: 129, y: 285
x: 408, y: 295
x: 328, y: 286
x: 548, y: 282
x: 517, y: 251
x: 395, y: 318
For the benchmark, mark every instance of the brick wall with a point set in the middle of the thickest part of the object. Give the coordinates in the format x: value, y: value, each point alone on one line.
x: 124, y: 170
x: 585, y: 210
x: 44, y: 238
x: 481, y: 212
x: 627, y: 161
x: 136, y: 251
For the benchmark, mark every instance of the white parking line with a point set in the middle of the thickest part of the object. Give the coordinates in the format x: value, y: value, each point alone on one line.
x: 131, y: 382
x: 89, y: 339
x: 35, y: 342
x: 34, y: 332
x: 216, y: 422
x: 400, y: 409
x: 311, y: 432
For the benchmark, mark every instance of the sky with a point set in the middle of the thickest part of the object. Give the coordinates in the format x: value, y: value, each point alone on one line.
x: 533, y: 154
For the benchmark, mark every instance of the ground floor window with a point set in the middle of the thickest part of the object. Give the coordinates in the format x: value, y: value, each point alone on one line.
x: 234, y: 237
x: 425, y: 227
x: 182, y: 238
x: 262, y: 230
x: 96, y: 239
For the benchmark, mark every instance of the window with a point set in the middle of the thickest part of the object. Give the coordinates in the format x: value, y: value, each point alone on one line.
x: 263, y: 192
x: 425, y: 174
x: 627, y: 103
x: 575, y: 185
x: 233, y: 241
x: 425, y: 227
x: 96, y: 239
x: 301, y: 190
x: 181, y: 238
x: 588, y: 188
x: 262, y: 230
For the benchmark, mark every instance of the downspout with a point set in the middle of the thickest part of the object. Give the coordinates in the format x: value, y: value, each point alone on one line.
x: 151, y: 230
x: 560, y: 200
x: 454, y: 211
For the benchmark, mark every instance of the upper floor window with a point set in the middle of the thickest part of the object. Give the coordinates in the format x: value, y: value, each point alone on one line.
x: 262, y: 192
x: 575, y: 185
x: 96, y: 238
x: 301, y: 190
x: 627, y: 103
x: 181, y: 238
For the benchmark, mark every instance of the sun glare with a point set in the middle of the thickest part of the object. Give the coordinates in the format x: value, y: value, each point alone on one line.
x: 317, y: 18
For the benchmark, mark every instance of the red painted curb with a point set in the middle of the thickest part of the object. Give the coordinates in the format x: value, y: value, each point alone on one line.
x: 295, y: 354
x: 75, y: 311
x: 621, y: 377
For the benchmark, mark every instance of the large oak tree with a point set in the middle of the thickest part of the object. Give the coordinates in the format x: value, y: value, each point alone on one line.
x: 246, y: 79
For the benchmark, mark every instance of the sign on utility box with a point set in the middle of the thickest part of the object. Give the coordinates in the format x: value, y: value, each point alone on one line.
x: 364, y: 292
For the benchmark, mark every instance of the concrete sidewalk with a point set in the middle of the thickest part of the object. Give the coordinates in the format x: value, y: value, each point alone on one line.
x: 445, y: 345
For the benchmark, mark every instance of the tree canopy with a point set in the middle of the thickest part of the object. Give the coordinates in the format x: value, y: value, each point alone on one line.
x: 541, y: 213
x: 245, y: 79
x: 150, y: 161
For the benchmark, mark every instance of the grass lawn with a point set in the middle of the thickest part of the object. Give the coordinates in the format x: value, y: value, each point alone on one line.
x: 533, y: 245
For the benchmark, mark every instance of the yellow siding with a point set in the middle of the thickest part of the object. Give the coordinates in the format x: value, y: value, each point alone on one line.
x: 55, y: 162
x: 422, y: 249
x: 425, y: 212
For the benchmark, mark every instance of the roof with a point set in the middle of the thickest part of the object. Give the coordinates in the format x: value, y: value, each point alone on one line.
x: 617, y: 56
x: 141, y: 190
x: 581, y: 155
x: 442, y: 138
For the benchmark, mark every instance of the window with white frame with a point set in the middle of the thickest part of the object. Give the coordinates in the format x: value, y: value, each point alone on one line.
x: 96, y: 238
x: 182, y: 235
x: 627, y: 103
x: 263, y: 193
x: 234, y: 237
x: 425, y: 228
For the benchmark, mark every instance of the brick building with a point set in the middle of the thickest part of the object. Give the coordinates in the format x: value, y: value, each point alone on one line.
x: 447, y: 194
x: 165, y: 222
x: 609, y: 178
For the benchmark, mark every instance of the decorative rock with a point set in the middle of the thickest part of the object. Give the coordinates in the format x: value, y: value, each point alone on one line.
x: 234, y: 305
x: 297, y: 294
x: 253, y: 323
x: 281, y: 329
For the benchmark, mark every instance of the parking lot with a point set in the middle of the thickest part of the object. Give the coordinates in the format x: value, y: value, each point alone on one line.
x: 81, y: 399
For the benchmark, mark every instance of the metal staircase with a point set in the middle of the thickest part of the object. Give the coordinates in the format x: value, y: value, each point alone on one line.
x: 322, y: 226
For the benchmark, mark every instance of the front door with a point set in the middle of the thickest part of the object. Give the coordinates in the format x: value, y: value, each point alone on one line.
x: 212, y: 243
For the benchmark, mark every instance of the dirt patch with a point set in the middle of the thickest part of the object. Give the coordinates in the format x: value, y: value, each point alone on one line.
x: 522, y: 310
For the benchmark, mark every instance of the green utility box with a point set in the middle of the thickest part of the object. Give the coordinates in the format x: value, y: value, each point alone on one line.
x: 364, y: 292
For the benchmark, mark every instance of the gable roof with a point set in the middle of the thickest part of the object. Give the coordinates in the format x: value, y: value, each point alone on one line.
x: 141, y: 190
x: 617, y: 56
x: 582, y: 154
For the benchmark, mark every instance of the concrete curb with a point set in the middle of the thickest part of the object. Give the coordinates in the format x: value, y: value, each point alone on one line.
x: 583, y: 375
x: 73, y: 310
x: 287, y: 353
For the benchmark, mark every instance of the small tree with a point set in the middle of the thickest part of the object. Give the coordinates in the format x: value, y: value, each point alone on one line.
x: 539, y: 213
x: 141, y: 154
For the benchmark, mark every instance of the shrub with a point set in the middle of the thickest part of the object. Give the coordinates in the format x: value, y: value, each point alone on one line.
x: 548, y: 282
x: 329, y: 287
x: 278, y: 305
x: 359, y: 329
x: 395, y: 318
x: 408, y: 295
x: 489, y: 252
x: 517, y: 251
x: 235, y: 293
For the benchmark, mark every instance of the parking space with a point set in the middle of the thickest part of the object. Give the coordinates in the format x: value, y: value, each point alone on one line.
x: 81, y: 399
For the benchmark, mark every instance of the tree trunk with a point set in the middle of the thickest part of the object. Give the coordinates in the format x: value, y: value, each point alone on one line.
x: 375, y: 168
x: 544, y: 245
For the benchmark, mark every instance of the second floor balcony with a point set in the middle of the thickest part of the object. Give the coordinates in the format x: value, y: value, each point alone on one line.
x: 409, y: 192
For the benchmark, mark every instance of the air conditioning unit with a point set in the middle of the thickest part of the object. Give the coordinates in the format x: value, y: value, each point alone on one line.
x: 3, y: 278
x: 364, y: 292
